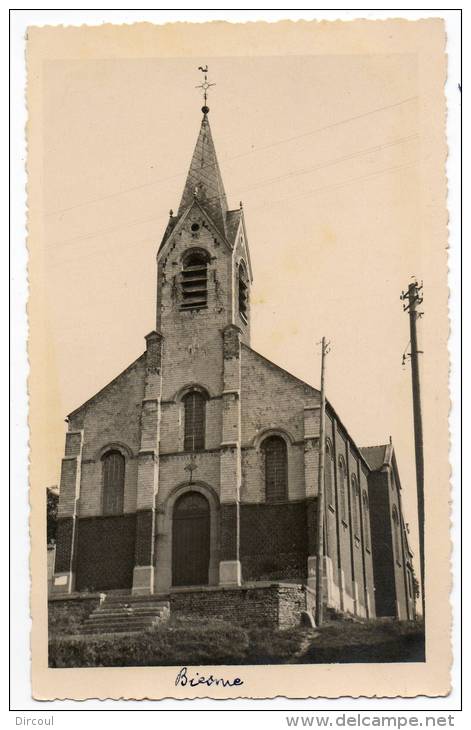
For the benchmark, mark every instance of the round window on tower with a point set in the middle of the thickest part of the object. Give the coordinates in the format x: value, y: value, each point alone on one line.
x: 195, y: 227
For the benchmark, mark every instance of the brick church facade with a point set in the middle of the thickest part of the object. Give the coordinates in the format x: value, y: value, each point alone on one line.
x: 195, y: 471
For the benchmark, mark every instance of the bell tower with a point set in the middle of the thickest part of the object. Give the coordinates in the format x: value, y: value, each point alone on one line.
x: 203, y: 316
x: 203, y: 271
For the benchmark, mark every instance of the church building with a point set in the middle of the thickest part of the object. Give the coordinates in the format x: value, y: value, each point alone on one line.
x: 193, y: 475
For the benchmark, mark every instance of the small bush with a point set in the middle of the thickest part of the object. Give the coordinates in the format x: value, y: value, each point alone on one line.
x: 67, y: 617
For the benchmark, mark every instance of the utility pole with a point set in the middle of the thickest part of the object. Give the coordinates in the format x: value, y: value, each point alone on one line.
x: 320, y: 496
x: 414, y: 300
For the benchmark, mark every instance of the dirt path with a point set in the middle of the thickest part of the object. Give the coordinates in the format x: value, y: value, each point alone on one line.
x: 304, y: 644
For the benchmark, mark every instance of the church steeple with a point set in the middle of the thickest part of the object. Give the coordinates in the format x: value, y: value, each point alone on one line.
x: 204, y: 272
x: 204, y: 181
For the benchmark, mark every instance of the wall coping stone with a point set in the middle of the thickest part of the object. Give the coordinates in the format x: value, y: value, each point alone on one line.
x: 252, y: 585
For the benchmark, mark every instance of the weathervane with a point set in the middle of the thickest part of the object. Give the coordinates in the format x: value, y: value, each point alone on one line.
x: 204, y: 86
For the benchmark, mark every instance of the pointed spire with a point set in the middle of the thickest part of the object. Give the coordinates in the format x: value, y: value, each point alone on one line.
x: 204, y: 181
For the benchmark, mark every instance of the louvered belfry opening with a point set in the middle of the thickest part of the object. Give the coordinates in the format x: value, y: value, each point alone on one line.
x: 195, y: 408
x: 113, y: 483
x: 243, y: 292
x: 276, y: 469
x: 194, y: 282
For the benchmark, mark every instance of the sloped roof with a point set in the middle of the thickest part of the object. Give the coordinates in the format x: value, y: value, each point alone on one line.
x: 232, y: 224
x: 313, y: 390
x: 100, y: 392
x: 204, y: 185
x: 173, y: 220
x: 377, y: 456
x: 281, y: 370
x: 204, y: 179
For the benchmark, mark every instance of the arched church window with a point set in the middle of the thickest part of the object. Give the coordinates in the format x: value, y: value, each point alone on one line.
x: 329, y: 475
x: 276, y: 469
x: 366, y: 520
x: 396, y: 537
x: 113, y: 482
x: 243, y: 291
x: 194, y: 404
x: 355, y: 506
x: 194, y: 281
x: 343, y: 490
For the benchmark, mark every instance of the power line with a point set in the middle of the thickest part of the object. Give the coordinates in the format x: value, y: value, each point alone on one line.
x: 234, y: 157
x: 328, y: 163
x: 81, y: 253
x: 339, y: 185
x: 304, y: 171
x: 329, y: 126
x: 108, y: 230
x: 271, y: 202
x: 260, y: 184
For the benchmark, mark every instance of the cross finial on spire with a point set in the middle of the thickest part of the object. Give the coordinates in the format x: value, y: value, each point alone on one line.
x: 204, y: 86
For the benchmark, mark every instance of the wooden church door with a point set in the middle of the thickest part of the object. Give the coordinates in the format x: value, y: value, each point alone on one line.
x: 190, y: 540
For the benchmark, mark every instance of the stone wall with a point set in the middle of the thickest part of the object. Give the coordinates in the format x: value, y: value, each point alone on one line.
x: 253, y: 473
x: 276, y: 605
x: 112, y: 417
x: 352, y: 568
x: 248, y: 398
x: 192, y: 351
x: 271, y: 398
x: 390, y: 569
x: 381, y: 534
x: 368, y: 552
x: 400, y: 561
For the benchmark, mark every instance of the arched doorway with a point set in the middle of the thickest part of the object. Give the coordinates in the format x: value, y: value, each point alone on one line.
x: 190, y: 540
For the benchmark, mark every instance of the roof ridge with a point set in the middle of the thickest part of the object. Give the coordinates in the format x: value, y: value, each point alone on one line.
x: 278, y: 367
x: 110, y: 382
x: 317, y: 391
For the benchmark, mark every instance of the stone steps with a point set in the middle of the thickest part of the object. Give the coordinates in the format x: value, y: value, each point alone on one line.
x: 116, y: 627
x: 133, y: 601
x: 126, y: 614
x: 112, y: 612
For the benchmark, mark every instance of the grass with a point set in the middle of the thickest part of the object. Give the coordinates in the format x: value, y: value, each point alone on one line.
x: 180, y: 641
x: 197, y: 641
x: 372, y: 641
x: 67, y: 617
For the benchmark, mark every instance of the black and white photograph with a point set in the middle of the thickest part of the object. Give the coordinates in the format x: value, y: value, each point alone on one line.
x: 239, y: 370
